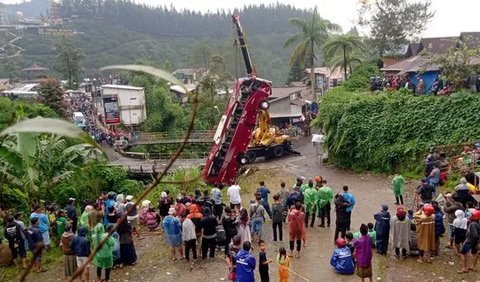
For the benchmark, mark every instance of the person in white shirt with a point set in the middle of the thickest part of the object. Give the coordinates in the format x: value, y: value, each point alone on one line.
x: 233, y: 193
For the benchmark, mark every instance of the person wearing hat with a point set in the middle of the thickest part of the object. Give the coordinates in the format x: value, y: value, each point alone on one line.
x: 72, y: 214
x: 424, y: 220
x: 173, y: 233
x: 400, y: 225
x: 341, y: 259
x: 382, y: 229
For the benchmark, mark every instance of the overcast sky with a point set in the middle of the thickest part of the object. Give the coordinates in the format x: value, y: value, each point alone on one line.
x: 452, y: 16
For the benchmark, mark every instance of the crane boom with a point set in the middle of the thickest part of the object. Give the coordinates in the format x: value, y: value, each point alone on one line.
x: 243, y: 46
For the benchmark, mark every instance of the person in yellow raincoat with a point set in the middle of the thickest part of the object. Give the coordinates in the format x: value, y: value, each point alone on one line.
x: 425, y: 222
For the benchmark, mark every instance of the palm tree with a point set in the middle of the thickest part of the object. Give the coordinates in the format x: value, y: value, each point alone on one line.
x: 312, y: 35
x: 344, y: 50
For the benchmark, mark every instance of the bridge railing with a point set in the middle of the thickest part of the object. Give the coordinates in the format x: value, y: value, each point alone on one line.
x: 151, y: 137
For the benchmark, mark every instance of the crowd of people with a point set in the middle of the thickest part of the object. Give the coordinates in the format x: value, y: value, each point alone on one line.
x: 200, y: 224
x: 79, y: 101
x: 440, y: 85
x: 77, y: 236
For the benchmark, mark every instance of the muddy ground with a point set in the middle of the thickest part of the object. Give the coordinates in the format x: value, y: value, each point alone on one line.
x: 370, y: 190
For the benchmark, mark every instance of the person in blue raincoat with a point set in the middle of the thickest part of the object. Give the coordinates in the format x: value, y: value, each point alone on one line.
x: 341, y: 259
x: 382, y: 227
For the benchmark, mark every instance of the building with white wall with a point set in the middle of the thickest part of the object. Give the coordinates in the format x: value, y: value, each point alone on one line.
x: 123, y: 104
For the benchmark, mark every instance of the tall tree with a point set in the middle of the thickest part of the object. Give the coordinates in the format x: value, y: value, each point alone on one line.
x: 51, y: 93
x: 457, y: 64
x: 296, y: 72
x: 68, y: 60
x: 345, y: 47
x: 394, y: 22
x: 313, y: 33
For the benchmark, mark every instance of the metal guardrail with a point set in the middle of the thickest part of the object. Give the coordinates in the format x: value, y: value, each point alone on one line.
x: 199, y: 136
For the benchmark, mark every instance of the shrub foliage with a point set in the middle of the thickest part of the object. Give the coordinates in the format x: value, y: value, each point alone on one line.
x: 393, y: 131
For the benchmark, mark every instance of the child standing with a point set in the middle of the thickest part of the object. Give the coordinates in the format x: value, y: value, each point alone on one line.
x: 263, y: 262
x: 283, y: 263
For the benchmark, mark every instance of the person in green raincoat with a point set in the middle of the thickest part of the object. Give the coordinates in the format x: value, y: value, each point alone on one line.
x: 398, y: 186
x: 104, y: 257
x: 324, y: 203
x: 310, y: 206
x: 304, y: 186
x: 83, y: 222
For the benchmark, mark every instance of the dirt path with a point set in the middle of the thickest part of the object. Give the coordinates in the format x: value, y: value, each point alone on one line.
x: 370, y: 190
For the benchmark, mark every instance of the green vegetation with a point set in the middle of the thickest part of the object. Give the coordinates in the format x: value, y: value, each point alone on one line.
x: 312, y: 34
x: 11, y: 110
x: 344, y: 51
x: 68, y: 61
x: 124, y: 33
x: 393, y: 131
x: 394, y: 22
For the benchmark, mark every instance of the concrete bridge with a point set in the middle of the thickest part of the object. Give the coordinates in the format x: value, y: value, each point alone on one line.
x: 152, y: 138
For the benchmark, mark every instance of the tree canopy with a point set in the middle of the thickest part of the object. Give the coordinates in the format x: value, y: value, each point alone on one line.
x: 394, y: 22
x: 312, y: 34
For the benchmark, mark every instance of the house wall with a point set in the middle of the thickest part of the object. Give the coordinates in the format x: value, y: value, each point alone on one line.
x: 281, y: 106
x: 428, y: 79
x: 131, y: 103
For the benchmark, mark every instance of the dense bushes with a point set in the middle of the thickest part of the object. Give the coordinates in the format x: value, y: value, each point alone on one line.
x: 393, y: 131
x: 360, y: 78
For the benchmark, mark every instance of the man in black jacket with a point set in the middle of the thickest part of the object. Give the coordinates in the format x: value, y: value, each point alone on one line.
x: 209, y: 227
x: 342, y: 220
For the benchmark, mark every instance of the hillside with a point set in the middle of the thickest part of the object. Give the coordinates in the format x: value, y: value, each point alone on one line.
x: 135, y: 32
x: 31, y: 9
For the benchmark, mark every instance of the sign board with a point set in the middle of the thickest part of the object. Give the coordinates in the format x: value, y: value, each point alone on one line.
x: 112, y: 114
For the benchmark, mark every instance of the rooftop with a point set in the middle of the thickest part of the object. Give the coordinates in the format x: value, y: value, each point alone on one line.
x: 125, y: 87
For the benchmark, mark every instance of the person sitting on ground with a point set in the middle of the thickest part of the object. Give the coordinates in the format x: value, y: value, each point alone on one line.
x: 341, y: 259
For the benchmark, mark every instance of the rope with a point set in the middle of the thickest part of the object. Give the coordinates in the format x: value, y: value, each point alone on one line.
x: 297, y: 274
